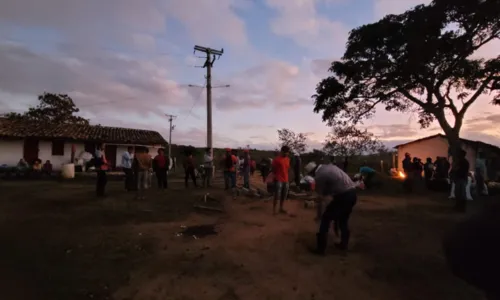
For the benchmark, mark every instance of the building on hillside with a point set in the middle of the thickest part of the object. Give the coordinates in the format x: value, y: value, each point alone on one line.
x: 437, y: 145
x: 29, y: 140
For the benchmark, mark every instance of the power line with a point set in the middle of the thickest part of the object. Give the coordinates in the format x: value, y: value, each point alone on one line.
x: 194, y: 103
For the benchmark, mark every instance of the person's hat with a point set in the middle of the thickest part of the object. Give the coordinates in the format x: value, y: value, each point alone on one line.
x: 310, y: 167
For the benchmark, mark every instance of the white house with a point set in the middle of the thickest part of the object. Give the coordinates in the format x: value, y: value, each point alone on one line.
x: 437, y: 145
x: 20, y: 139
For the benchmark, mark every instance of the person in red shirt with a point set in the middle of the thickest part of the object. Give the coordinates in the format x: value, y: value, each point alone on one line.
x: 280, y: 167
x: 230, y: 161
x: 160, y: 166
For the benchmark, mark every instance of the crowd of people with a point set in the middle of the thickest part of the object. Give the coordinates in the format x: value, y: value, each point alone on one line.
x: 34, y: 169
x: 335, y: 189
x: 138, y: 166
x: 442, y: 171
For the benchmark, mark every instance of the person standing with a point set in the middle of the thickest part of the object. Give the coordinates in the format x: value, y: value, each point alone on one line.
x: 247, y: 164
x: 297, y: 164
x: 280, y: 167
x: 230, y: 161
x: 142, y: 167
x: 461, y: 174
x: 160, y: 167
x: 127, y: 159
x: 189, y: 170
x: 208, y: 166
x: 428, y: 172
x: 408, y: 170
x: 101, y: 166
x: 481, y: 175
x: 265, y: 168
x: 336, y: 188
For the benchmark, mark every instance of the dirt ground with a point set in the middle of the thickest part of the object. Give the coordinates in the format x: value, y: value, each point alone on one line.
x: 59, y: 242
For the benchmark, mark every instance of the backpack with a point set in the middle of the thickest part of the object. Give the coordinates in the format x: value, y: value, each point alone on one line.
x: 229, y: 162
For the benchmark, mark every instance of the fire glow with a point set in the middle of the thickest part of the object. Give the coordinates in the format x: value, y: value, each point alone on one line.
x: 401, y: 175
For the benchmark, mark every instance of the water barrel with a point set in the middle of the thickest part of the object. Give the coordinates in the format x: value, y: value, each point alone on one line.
x: 68, y: 171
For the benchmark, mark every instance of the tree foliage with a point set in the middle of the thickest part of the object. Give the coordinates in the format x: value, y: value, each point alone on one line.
x: 419, y: 61
x: 52, y: 108
x: 296, y: 141
x: 348, y: 141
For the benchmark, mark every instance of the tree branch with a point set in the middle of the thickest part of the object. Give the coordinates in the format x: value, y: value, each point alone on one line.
x: 474, y: 97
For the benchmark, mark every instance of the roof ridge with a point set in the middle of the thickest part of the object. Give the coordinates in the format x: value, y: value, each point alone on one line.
x: 110, y: 134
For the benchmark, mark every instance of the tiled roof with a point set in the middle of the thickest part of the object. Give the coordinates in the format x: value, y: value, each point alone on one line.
x: 116, y: 135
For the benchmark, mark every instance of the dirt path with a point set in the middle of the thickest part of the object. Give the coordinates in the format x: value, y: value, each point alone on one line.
x: 59, y: 243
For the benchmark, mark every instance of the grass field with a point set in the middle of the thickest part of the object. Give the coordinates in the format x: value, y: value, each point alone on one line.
x: 59, y: 242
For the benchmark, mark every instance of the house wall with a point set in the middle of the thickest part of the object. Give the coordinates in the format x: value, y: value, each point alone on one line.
x: 12, y: 150
x: 45, y: 153
x: 432, y: 148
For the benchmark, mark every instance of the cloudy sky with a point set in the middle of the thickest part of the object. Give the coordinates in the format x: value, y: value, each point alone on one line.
x: 128, y: 62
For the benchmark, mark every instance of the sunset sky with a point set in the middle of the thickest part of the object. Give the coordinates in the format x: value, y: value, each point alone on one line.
x: 127, y: 62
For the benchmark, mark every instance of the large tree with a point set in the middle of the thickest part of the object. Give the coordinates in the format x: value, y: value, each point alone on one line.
x: 296, y: 141
x: 348, y: 141
x: 53, y: 109
x: 420, y: 61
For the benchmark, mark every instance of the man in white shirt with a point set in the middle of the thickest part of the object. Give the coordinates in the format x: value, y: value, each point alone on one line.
x: 338, y: 191
x: 208, y: 165
x: 127, y: 159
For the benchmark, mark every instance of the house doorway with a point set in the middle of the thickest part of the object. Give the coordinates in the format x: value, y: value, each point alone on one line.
x: 30, y: 151
x: 110, y: 152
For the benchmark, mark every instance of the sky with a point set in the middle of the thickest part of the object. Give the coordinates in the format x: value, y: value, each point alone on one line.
x: 127, y: 63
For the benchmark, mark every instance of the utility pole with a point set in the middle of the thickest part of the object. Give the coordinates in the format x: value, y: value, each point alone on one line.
x: 211, y: 55
x: 170, y: 119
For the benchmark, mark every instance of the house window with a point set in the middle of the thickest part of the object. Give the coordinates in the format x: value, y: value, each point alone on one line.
x: 58, y: 147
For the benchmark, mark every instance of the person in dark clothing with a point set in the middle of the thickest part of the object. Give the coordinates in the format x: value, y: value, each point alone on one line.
x: 297, y: 164
x: 160, y: 166
x: 438, y: 165
x: 442, y: 168
x: 332, y: 182
x: 472, y: 250
x: 408, y: 169
x: 265, y: 168
x: 428, y: 172
x: 101, y: 166
x: 417, y: 168
x: 460, y: 174
x: 189, y: 168
x: 346, y: 164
